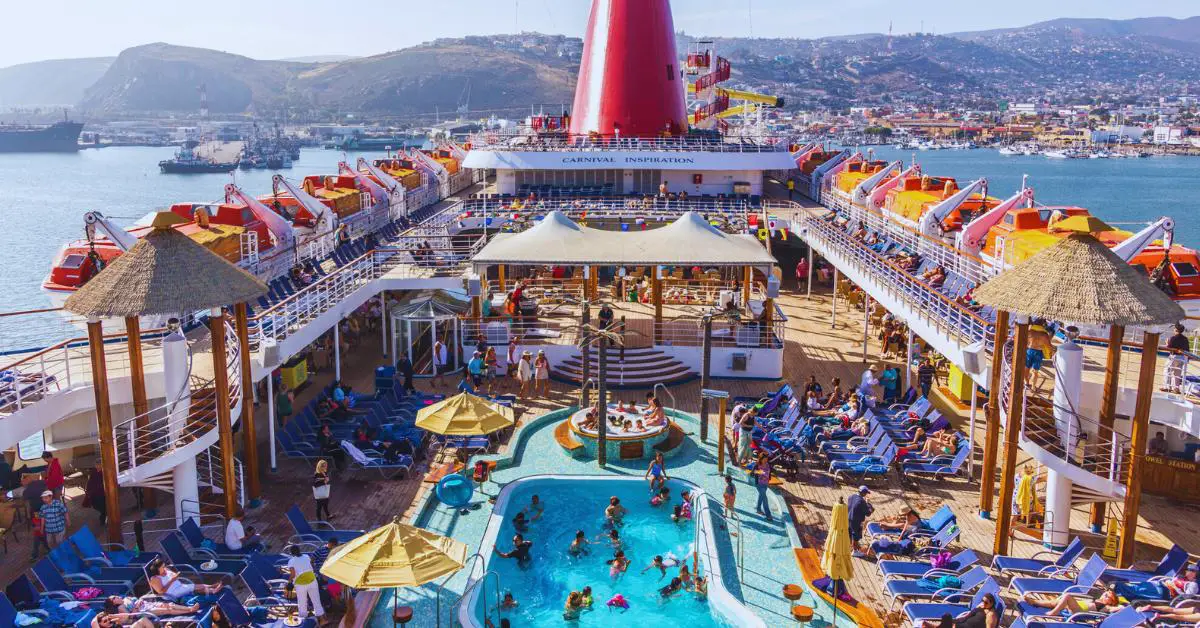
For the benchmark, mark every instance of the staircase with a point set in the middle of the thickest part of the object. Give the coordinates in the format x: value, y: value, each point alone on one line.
x: 641, y: 368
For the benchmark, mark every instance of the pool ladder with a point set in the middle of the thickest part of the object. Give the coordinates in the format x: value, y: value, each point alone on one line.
x: 719, y: 515
x: 481, y: 582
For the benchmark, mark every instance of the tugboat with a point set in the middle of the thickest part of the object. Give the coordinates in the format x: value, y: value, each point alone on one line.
x: 186, y: 161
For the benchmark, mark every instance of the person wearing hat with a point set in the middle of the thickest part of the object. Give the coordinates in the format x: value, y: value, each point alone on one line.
x: 869, y: 381
x: 55, y: 520
x: 541, y: 368
x: 859, y: 509
x: 525, y: 372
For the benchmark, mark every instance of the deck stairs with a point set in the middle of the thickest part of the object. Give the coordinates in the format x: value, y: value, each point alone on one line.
x: 640, y: 368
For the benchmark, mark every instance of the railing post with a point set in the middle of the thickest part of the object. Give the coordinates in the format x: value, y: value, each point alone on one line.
x: 1108, y: 410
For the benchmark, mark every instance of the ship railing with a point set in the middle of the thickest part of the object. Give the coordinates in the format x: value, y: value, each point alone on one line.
x: 631, y: 209
x: 1079, y: 440
x: 946, y: 254
x: 29, y: 377
x: 526, y: 140
x: 181, y: 420
x: 954, y: 319
x: 499, y: 330
x: 689, y: 332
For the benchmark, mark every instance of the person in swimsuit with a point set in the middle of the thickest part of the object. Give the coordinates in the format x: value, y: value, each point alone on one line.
x: 1039, y: 348
x: 520, y: 550
x: 536, y: 508
x: 982, y: 616
x: 168, y: 584
x: 615, y: 512
x: 580, y: 545
x: 1108, y: 602
x: 573, y: 607
x: 618, y: 564
x: 942, y: 443
x: 655, y: 415
x: 674, y: 587
x: 116, y: 605
x: 613, y: 538
x: 658, y: 564
x: 656, y: 472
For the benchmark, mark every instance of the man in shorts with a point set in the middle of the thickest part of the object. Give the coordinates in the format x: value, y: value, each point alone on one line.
x: 475, y: 368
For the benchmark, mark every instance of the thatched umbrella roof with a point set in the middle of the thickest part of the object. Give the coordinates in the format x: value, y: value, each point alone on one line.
x: 1079, y: 280
x: 165, y: 273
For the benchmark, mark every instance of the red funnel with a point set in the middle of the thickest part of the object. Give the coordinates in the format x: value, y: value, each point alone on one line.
x: 629, y: 82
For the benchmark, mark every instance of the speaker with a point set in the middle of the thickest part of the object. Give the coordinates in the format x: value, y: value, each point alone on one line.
x: 474, y: 286
x: 973, y: 357
x: 773, y: 288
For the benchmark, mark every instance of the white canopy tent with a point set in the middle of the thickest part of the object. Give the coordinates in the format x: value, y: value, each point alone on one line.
x: 690, y: 240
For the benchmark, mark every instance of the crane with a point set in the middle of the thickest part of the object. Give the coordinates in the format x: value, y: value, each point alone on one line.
x: 1162, y: 228
x: 120, y: 237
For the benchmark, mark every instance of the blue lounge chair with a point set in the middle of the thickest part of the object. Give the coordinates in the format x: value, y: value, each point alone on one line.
x: 194, y: 537
x: 1011, y: 565
x: 960, y: 562
x: 1171, y: 563
x: 905, y: 589
x: 264, y: 592
x: 918, y: 612
x: 25, y: 597
x: 238, y: 615
x: 867, y: 467
x: 369, y: 459
x: 316, y: 531
x: 940, y: 467
x: 108, y: 554
x: 852, y: 456
x: 180, y: 557
x: 940, y: 519
x: 1128, y: 617
x: 1086, y: 579
x: 72, y: 567
x: 52, y: 580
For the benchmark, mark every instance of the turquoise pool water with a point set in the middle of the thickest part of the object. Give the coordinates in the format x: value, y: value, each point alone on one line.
x: 754, y: 576
x: 541, y: 586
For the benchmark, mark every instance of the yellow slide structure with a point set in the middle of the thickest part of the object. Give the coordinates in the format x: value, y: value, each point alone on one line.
x: 750, y: 97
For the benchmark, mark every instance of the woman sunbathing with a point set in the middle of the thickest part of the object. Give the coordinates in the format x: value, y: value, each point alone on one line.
x: 942, y: 443
x: 1108, y: 602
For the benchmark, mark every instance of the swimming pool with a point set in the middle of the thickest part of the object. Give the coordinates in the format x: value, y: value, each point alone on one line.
x: 575, y: 503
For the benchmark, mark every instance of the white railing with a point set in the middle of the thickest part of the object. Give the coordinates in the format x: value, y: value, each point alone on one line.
x: 27, y: 378
x: 926, y: 302
x: 162, y: 430
x: 526, y: 140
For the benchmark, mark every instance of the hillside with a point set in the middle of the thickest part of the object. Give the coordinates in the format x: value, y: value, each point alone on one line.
x: 161, y: 77
x: 1187, y: 29
x: 60, y: 82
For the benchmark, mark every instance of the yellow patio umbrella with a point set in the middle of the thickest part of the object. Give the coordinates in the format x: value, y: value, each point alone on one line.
x: 835, y: 560
x: 395, y: 555
x: 465, y: 415
x: 1082, y: 224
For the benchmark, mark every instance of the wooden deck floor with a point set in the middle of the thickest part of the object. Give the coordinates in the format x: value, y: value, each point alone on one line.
x: 814, y: 347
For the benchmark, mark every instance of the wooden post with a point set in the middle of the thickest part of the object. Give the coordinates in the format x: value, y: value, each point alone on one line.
x: 768, y: 320
x: 1137, y: 449
x: 500, y: 277
x: 586, y: 352
x: 249, y: 430
x: 594, y: 282
x: 1108, y: 408
x: 656, y: 296
x: 834, y: 299
x: 104, y: 425
x: 991, y: 439
x: 747, y: 279
x: 705, y: 369
x: 1012, y: 429
x: 216, y: 323
x: 602, y: 404
x: 137, y: 383
x: 721, y: 404
x: 866, y: 326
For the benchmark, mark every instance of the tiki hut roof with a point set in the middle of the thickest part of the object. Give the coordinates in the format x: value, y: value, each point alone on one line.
x: 1079, y: 280
x: 165, y: 273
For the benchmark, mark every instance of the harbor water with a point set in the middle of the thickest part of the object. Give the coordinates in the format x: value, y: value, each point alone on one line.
x: 48, y: 194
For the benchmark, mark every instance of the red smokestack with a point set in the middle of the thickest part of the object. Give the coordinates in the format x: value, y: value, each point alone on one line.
x: 630, y: 76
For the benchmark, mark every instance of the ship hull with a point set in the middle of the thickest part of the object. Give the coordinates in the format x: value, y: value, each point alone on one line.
x: 169, y: 167
x: 62, y: 137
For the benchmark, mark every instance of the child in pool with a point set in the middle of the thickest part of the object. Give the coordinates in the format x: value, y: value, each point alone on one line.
x: 620, y: 406
x: 617, y: 565
x: 639, y: 427
x: 674, y: 587
x: 535, y: 509
x: 579, y: 545
x: 685, y: 574
x: 573, y: 607
x: 613, y: 537
x: 700, y: 587
x: 657, y: 563
x: 614, y: 514
x: 663, y: 496
x: 509, y: 602
x: 627, y: 426
x: 520, y: 523
x: 682, y: 512
x: 587, y: 597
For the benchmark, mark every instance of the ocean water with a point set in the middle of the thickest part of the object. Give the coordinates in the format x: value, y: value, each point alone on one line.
x: 46, y: 196
x: 542, y: 586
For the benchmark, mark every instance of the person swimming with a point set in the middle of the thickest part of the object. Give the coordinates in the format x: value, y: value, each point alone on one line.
x: 685, y: 574
x: 520, y: 523
x: 663, y: 496
x: 536, y: 508
x: 615, y: 513
x: 573, y: 607
x: 657, y: 563
x: 675, y: 586
x: 579, y: 545
x: 587, y: 597
x: 700, y: 587
x: 614, y: 539
x: 618, y: 564
x: 509, y: 602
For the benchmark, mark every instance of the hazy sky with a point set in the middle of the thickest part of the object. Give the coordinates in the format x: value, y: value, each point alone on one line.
x: 267, y: 30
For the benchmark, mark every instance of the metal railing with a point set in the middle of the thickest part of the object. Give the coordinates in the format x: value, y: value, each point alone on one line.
x: 955, y: 319
x: 525, y: 139
x: 689, y: 332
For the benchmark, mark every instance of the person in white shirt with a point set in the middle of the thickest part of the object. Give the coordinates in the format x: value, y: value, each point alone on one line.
x: 525, y: 373
x: 308, y: 591
x: 439, y: 362
x: 869, y: 381
x: 237, y: 538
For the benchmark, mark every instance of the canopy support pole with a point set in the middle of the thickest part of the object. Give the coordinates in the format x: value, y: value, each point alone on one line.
x: 216, y: 323
x: 337, y: 351
x: 141, y: 405
x: 833, y: 314
x: 747, y: 278
x: 991, y: 439
x: 500, y: 277
x: 108, y: 445
x: 1137, y: 449
x: 866, y: 326
x: 249, y: 430
x: 1108, y: 409
x: 271, y: 418
x: 656, y: 297
x: 1012, y: 429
